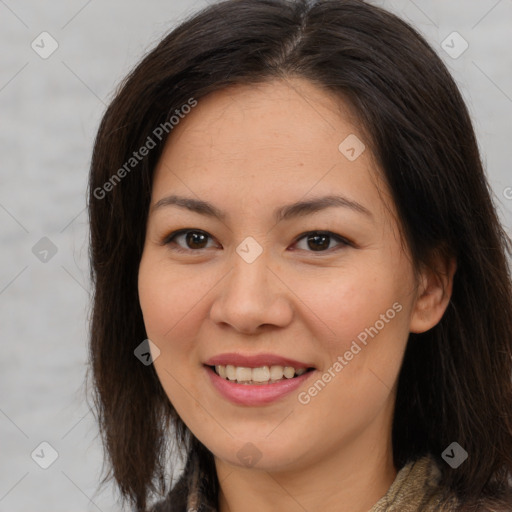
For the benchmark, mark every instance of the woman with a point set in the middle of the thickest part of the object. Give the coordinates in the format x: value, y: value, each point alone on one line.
x: 341, y: 337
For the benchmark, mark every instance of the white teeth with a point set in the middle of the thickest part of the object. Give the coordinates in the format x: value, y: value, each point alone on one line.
x: 230, y: 372
x: 221, y: 370
x: 289, y: 372
x: 243, y: 374
x: 260, y: 375
x: 276, y: 372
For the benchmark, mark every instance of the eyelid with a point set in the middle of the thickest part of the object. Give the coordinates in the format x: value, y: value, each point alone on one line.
x: 342, y: 241
x: 335, y: 236
x: 171, y: 236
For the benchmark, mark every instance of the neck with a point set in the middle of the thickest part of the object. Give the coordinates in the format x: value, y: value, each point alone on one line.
x: 349, y: 479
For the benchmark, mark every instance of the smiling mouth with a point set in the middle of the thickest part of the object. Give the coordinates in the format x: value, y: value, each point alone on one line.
x: 258, y: 376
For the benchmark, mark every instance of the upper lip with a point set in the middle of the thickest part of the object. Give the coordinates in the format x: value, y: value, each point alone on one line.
x: 255, y: 360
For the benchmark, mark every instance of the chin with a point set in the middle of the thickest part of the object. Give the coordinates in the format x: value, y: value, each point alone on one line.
x: 259, y: 453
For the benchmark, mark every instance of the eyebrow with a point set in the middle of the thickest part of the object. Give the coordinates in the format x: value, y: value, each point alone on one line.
x: 289, y: 211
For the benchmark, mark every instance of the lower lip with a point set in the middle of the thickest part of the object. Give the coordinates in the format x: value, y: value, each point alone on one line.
x: 255, y: 394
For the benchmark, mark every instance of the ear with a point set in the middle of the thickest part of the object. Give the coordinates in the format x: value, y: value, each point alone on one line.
x: 434, y: 293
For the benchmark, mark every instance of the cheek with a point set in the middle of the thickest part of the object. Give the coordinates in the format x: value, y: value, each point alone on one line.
x: 171, y: 308
x: 168, y: 299
x: 362, y: 335
x: 351, y: 303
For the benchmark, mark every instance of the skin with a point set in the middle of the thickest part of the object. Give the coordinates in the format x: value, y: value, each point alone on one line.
x: 249, y: 150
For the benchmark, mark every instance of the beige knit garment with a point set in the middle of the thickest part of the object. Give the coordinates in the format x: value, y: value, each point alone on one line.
x: 415, y: 489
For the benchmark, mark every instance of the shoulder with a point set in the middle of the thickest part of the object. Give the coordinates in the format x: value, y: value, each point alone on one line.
x: 438, y: 499
x: 487, y: 505
x: 418, y: 488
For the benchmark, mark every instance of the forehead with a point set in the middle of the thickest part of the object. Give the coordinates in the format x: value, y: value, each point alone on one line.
x: 264, y: 141
x: 292, y: 113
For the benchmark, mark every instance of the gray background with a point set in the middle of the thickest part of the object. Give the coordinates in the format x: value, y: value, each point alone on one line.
x: 50, y: 110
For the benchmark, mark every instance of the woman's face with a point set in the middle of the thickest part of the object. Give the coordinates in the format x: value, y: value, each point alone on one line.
x: 253, y: 283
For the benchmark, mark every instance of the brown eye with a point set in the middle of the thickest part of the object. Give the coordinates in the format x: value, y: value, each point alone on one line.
x: 319, y: 241
x: 193, y: 240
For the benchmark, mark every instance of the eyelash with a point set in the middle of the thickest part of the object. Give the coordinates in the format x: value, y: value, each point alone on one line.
x: 169, y: 239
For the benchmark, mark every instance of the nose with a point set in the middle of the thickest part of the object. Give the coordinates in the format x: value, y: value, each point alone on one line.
x: 251, y: 296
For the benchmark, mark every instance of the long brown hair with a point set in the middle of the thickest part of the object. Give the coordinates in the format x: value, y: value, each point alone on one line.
x: 455, y: 383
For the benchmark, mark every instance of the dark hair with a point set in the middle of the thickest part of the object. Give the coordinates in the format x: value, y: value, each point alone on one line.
x: 455, y: 382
